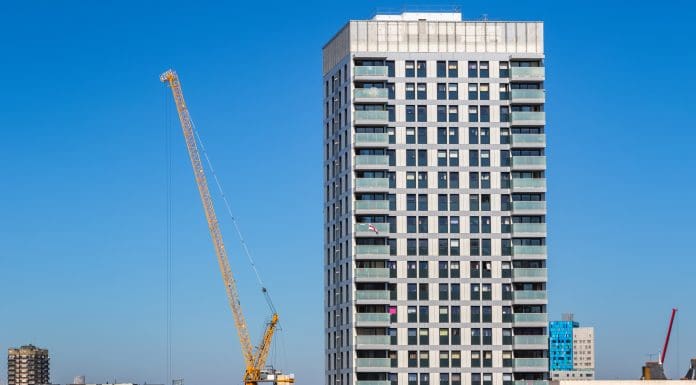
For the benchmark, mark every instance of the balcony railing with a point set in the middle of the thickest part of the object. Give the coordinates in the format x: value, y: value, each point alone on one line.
x: 531, y: 340
x: 529, y: 227
x: 372, y: 205
x: 529, y: 250
x: 370, y: 71
x: 529, y: 295
x: 371, y: 115
x: 373, y: 340
x: 385, y: 382
x: 529, y: 205
x: 528, y: 183
x: 527, y: 139
x: 372, y: 272
x: 372, y: 249
x: 372, y: 317
x: 528, y: 161
x: 372, y: 138
x: 541, y: 363
x: 529, y: 272
x: 522, y: 73
x: 373, y: 362
x: 530, y: 318
x: 370, y: 93
x: 531, y: 382
x: 538, y: 117
x: 365, y: 227
x: 529, y: 94
x: 372, y: 160
x: 372, y: 182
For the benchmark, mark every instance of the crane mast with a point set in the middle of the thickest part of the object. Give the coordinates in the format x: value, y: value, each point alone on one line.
x: 255, y: 359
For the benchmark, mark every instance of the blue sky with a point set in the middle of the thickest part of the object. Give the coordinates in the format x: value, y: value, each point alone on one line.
x: 82, y: 224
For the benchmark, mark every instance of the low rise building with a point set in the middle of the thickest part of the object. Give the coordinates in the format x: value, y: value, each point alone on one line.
x: 571, y: 350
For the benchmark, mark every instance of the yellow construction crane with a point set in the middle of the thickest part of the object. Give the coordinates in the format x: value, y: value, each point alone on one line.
x: 255, y: 358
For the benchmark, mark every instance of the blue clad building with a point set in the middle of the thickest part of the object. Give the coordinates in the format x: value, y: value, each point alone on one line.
x: 561, y: 345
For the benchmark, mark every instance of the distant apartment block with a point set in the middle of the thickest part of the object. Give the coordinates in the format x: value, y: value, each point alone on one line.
x: 571, y: 350
x: 27, y: 365
x: 435, y: 202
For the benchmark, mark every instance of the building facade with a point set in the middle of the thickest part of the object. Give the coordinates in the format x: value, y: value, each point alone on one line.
x: 571, y: 350
x: 435, y: 205
x: 27, y: 365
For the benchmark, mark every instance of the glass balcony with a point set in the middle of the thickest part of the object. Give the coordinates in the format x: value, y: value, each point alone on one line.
x: 523, y: 73
x: 373, y: 340
x: 372, y: 317
x: 372, y: 205
x: 371, y: 115
x: 372, y: 249
x: 528, y: 139
x: 370, y: 71
x: 372, y: 138
x: 536, y: 117
x: 373, y: 362
x: 531, y: 340
x: 529, y: 250
x: 365, y: 227
x: 372, y: 160
x: 541, y: 363
x: 372, y: 294
x: 529, y: 294
x: 376, y: 382
x: 529, y: 205
x: 528, y: 228
x: 530, y: 317
x: 531, y: 382
x: 370, y: 93
x: 372, y: 272
x: 529, y: 272
x: 372, y: 183
x: 528, y: 161
x: 527, y: 94
x: 528, y: 183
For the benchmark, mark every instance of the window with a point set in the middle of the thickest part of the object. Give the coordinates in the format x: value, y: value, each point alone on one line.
x: 453, y: 135
x: 473, y: 179
x: 443, y: 292
x: 442, y: 202
x: 454, y: 224
x: 420, y: 69
x: 423, y: 224
x: 411, y: 202
x: 453, y: 113
x: 441, y: 91
x: 486, y: 225
x: 483, y: 69
x: 442, y: 158
x: 423, y: 202
x: 475, y: 336
x: 485, y: 158
x: 443, y: 314
x: 410, y: 157
x: 474, y: 247
x: 454, y: 179
x: 410, y: 224
x: 443, y: 271
x: 410, y: 69
x: 485, y: 135
x: 423, y: 314
x: 444, y: 359
x: 485, y: 113
x: 422, y: 180
x: 422, y: 157
x: 484, y: 91
x: 410, y: 91
x: 442, y: 180
x: 504, y: 69
x: 422, y: 114
x: 411, y: 291
x: 473, y: 158
x: 504, y: 114
x: 473, y: 113
x: 452, y: 69
x: 504, y: 91
x: 422, y: 135
x: 441, y: 69
x: 444, y: 336
x: 421, y: 90
x: 454, y: 202
x: 441, y: 113
x: 441, y: 135
x: 485, y: 180
x: 422, y: 247
x: 452, y: 91
x: 410, y: 113
x: 473, y: 202
x: 473, y: 91
x: 424, y: 336
x: 411, y: 314
x: 473, y: 135
x: 412, y: 334
x: 410, y: 180
x: 454, y: 247
x: 454, y: 157
x: 410, y: 269
x: 442, y: 247
x: 473, y: 69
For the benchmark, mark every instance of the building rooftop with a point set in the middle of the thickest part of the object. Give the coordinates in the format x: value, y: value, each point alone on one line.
x: 420, y: 16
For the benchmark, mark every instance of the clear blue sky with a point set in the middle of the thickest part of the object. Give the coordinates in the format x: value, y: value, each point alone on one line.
x: 82, y: 203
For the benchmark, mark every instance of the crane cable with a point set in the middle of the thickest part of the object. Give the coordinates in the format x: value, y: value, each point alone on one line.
x: 234, y: 220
